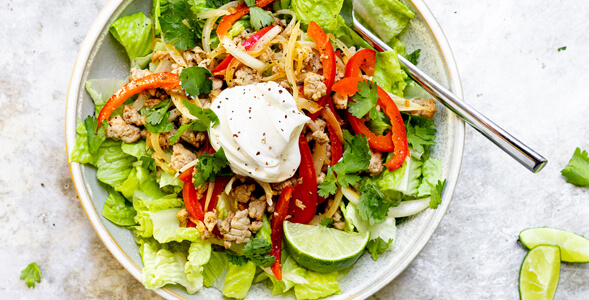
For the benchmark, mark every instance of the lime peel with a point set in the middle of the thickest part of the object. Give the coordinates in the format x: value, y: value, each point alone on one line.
x: 574, y: 248
x: 539, y: 273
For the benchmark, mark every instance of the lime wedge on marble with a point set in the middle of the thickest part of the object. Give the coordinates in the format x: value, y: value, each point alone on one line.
x: 323, y: 249
x: 573, y: 247
x: 539, y: 273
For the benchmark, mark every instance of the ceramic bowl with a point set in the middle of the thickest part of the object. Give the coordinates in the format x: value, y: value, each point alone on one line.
x: 102, y: 57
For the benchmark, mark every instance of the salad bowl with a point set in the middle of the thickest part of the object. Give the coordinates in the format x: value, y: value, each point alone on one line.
x: 101, y: 57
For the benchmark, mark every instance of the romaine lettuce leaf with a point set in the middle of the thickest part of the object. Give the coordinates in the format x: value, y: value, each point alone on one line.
x: 199, y: 254
x: 215, y: 270
x: 137, y: 149
x: 405, y: 179
x: 80, y: 153
x: 161, y: 267
x: 166, y: 227
x: 347, y: 35
x: 134, y: 33
x: 386, y: 18
x: 432, y: 173
x: 100, y: 90
x: 144, y: 204
x: 319, y: 286
x: 290, y: 271
x: 385, y: 230
x: 114, y: 165
x: 322, y: 12
x: 388, y: 73
x: 170, y: 183
x: 117, y: 210
x: 239, y: 280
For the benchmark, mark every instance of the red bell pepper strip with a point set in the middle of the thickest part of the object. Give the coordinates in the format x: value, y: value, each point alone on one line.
x: 240, y: 11
x: 306, y: 192
x: 377, y: 142
x: 186, y: 175
x: 220, y: 183
x: 349, y: 87
x: 247, y: 45
x: 336, y: 146
x: 190, y: 224
x: 327, y: 60
x: 156, y: 80
x: 282, y: 207
x: 364, y: 60
x: 193, y: 207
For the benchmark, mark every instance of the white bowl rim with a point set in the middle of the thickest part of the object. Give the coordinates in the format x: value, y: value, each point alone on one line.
x: 133, y: 269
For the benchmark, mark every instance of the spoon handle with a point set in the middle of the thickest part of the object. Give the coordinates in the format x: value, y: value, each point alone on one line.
x: 523, y: 154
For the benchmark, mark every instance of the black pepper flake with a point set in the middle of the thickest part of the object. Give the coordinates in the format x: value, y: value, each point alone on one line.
x: 250, y: 118
x: 235, y: 135
x: 238, y: 148
x: 270, y: 148
x: 266, y: 163
x: 258, y: 153
x: 280, y: 91
x: 285, y: 116
x: 218, y: 106
x: 269, y: 89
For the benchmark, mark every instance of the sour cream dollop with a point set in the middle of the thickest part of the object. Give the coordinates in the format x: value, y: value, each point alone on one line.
x: 258, y: 130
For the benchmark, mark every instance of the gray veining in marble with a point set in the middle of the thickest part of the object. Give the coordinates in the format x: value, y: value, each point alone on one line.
x: 511, y: 70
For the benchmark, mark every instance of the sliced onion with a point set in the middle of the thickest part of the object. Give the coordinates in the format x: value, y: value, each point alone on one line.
x: 266, y: 38
x: 206, y: 33
x: 165, y: 65
x: 273, y: 77
x: 177, y: 100
x: 308, y: 44
x: 209, y: 195
x: 229, y: 185
x: 332, y: 121
x: 291, y: 25
x: 288, y: 63
x: 409, y: 208
x: 212, y: 14
x: 316, y: 220
x: 164, y: 166
x: 310, y: 106
x: 186, y: 167
x: 404, y: 104
x: 155, y: 145
x: 176, y: 56
x: 341, y: 45
x: 319, y: 156
x: 218, y: 51
x: 351, y: 195
x: 267, y: 190
x: 241, y: 55
x: 231, y: 68
x: 335, y: 205
x: 138, y: 104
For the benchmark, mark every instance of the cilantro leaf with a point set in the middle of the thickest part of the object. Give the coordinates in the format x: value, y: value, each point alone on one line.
x: 31, y: 274
x: 209, y: 166
x: 413, y: 56
x: 377, y: 246
x: 237, y: 260
x: 206, y: 118
x: 179, y: 25
x: 95, y: 138
x: 577, y: 170
x: 260, y: 18
x: 156, y: 118
x: 372, y: 206
x: 421, y: 133
x: 195, y: 80
x: 258, y: 251
x: 328, y: 186
x: 356, y: 158
x: 327, y: 222
x: 436, y: 196
x: 562, y: 48
x: 148, y: 163
x: 216, y: 3
x: 364, y: 100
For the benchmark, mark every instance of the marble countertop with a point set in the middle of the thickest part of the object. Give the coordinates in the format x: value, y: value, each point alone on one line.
x: 511, y: 70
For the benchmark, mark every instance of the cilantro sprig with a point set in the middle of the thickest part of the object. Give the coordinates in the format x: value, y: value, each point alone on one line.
x: 237, y: 260
x: 209, y: 166
x: 577, y: 170
x: 327, y: 222
x: 258, y: 251
x: 179, y: 25
x: 148, y: 163
x: 156, y: 118
x: 413, y: 56
x: 421, y: 133
x: 195, y: 80
x: 364, y: 100
x: 259, y: 18
x: 372, y: 206
x: 95, y: 138
x: 378, y: 246
x: 436, y: 196
x: 205, y: 119
x: 31, y: 274
x: 356, y: 158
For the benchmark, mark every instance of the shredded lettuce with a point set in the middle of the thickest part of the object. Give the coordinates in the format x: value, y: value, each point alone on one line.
x: 134, y: 33
x: 387, y: 18
x: 322, y: 12
x: 319, y: 286
x: 388, y: 73
x: 118, y: 210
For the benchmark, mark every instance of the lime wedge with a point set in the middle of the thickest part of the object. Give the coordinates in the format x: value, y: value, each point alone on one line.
x: 538, y: 276
x: 573, y: 247
x: 323, y: 249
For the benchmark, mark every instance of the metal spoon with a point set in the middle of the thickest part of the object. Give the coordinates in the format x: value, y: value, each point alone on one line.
x: 529, y: 158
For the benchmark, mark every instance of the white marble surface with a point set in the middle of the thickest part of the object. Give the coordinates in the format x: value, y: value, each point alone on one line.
x: 511, y: 70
